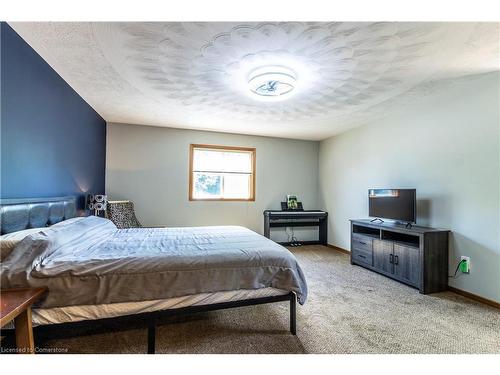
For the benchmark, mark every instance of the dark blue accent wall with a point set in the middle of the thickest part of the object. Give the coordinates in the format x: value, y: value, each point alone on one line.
x: 52, y: 142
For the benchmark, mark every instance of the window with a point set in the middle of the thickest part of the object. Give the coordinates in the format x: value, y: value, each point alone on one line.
x: 221, y: 173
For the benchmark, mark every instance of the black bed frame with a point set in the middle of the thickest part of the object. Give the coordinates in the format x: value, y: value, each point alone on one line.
x: 151, y: 319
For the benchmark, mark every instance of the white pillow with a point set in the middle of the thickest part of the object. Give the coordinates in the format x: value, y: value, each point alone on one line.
x: 66, y: 222
x: 10, y: 240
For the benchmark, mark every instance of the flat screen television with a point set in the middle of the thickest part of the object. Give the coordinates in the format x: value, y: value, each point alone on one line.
x: 395, y: 204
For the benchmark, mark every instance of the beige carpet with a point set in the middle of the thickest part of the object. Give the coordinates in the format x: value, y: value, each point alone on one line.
x: 349, y: 310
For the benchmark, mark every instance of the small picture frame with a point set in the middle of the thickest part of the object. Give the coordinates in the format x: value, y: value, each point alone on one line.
x: 292, y: 202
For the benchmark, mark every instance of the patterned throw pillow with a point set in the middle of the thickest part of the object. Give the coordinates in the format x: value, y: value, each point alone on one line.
x: 122, y: 214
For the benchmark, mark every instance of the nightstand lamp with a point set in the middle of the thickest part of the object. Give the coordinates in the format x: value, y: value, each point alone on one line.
x: 97, y: 203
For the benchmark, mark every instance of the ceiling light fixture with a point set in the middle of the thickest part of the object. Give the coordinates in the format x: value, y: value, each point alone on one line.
x: 272, y: 82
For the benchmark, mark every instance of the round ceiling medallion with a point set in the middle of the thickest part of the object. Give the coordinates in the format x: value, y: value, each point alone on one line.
x: 272, y: 82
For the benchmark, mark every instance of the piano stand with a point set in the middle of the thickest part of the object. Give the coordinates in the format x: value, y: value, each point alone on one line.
x: 307, y: 218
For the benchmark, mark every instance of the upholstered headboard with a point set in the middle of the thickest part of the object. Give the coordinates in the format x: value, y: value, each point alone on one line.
x: 19, y: 214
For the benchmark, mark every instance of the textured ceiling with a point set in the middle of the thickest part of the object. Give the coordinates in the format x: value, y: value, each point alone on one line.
x: 193, y: 75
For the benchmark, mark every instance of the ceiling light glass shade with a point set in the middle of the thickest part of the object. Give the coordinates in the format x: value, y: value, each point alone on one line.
x: 272, y: 82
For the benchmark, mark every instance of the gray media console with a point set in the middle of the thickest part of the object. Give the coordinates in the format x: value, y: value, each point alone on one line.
x: 417, y: 256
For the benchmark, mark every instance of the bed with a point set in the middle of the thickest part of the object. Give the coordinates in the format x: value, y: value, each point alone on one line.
x: 97, y: 273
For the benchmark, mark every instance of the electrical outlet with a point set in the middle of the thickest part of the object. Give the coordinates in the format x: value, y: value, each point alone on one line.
x: 465, y: 265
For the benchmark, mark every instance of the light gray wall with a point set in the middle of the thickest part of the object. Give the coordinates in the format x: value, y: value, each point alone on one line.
x: 149, y: 165
x: 447, y: 147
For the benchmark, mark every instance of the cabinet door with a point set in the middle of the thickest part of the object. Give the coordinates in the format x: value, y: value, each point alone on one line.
x: 407, y: 263
x: 383, y: 256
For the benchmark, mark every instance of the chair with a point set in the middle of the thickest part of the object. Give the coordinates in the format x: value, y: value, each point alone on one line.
x: 122, y: 214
